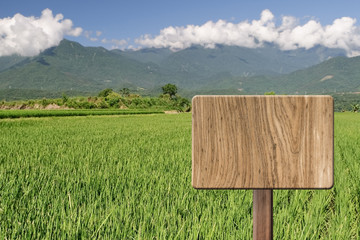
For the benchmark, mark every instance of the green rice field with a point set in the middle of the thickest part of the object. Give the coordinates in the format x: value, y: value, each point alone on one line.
x: 77, y: 112
x: 129, y: 177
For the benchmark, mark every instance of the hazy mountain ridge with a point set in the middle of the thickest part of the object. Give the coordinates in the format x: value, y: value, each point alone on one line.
x: 10, y: 61
x: 72, y: 66
x: 339, y: 74
x: 223, y: 69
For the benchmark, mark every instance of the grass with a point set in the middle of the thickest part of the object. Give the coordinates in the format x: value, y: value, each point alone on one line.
x: 78, y: 112
x: 129, y: 177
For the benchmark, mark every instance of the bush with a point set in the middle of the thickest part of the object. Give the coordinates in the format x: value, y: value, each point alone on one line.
x: 103, y: 104
x: 45, y: 102
x: 183, y: 105
x: 114, y: 102
x: 71, y: 103
x: 65, y: 98
x: 30, y: 103
x: 106, y: 92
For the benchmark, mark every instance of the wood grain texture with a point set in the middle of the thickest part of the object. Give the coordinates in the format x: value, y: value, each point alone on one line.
x: 262, y: 142
x: 263, y: 214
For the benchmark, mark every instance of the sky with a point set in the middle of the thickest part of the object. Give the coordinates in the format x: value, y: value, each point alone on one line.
x: 29, y: 27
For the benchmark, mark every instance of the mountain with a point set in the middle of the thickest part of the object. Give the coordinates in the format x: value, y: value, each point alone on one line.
x: 146, y: 55
x: 339, y: 74
x: 72, y: 66
x: 223, y: 69
x: 235, y: 60
x: 10, y: 61
x: 196, y: 66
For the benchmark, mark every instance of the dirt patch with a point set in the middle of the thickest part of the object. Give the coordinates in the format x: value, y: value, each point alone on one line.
x: 37, y: 106
x: 16, y: 107
x: 171, y: 112
x: 5, y: 107
x: 327, y: 77
x: 52, y: 106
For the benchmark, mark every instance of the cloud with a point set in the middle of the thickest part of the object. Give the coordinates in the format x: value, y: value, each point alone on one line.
x: 289, y: 35
x: 116, y: 43
x: 28, y: 36
x: 89, y: 35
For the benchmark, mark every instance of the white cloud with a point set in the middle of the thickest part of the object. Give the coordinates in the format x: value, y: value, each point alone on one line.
x: 342, y: 33
x: 116, y: 43
x: 89, y: 35
x: 28, y: 36
x: 120, y: 42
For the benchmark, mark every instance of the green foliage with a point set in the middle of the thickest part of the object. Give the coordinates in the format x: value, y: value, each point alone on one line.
x: 26, y: 94
x: 105, y: 92
x: 355, y: 107
x: 107, y: 98
x: 63, y: 113
x: 344, y: 102
x: 113, y: 100
x: 183, y: 104
x: 29, y: 103
x: 88, y: 105
x: 45, y: 102
x: 103, y: 104
x: 125, y: 92
x: 170, y: 89
x: 129, y: 177
x: 65, y: 98
x: 270, y: 93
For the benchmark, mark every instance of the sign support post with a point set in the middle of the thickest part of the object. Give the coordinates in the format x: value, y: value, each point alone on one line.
x: 263, y: 214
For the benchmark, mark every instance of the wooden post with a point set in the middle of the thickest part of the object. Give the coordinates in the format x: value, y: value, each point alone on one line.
x: 263, y: 214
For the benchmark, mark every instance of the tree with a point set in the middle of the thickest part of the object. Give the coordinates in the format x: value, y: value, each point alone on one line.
x: 170, y: 89
x: 65, y: 98
x: 355, y: 107
x: 125, y: 92
x: 105, y: 92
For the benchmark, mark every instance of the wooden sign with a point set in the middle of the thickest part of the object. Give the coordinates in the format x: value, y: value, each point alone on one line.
x: 262, y: 142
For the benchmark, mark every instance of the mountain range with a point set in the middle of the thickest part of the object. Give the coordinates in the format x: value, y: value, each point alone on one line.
x: 75, y: 69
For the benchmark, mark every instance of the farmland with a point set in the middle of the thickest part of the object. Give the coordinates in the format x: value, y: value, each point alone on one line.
x: 78, y: 112
x: 129, y: 177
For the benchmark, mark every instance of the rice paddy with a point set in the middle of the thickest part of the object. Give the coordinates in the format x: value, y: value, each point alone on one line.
x: 129, y: 177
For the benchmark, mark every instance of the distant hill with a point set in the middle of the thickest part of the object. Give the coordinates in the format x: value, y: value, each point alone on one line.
x: 339, y: 74
x: 71, y: 67
x: 196, y: 67
x: 10, y: 61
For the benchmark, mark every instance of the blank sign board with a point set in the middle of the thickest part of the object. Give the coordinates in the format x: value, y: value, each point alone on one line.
x: 262, y: 142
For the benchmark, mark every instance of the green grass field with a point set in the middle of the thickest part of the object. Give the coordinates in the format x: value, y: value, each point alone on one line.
x: 129, y: 177
x: 77, y: 112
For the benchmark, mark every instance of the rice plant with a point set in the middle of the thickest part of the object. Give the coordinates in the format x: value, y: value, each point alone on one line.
x: 129, y: 177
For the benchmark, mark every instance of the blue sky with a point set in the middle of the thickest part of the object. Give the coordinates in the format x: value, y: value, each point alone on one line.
x: 111, y: 23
